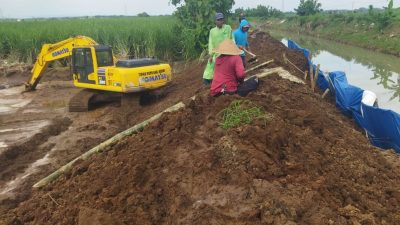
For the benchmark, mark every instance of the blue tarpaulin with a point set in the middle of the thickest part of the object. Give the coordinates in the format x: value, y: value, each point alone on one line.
x: 321, y: 80
x: 348, y: 97
x: 294, y: 45
x: 381, y: 125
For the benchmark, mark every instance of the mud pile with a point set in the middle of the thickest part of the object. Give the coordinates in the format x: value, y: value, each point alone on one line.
x: 267, y: 48
x: 307, y: 165
x: 188, y: 80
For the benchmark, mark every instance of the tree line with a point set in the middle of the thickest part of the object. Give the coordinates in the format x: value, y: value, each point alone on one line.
x: 196, y: 18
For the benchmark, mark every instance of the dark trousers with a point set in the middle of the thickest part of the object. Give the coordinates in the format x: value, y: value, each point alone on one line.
x: 243, y: 88
x: 247, y: 86
x: 207, y: 82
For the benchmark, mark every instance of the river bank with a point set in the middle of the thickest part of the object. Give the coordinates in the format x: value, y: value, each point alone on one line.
x: 361, y: 34
x: 369, y: 70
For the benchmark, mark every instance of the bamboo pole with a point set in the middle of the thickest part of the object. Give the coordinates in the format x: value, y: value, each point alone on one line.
x: 286, y: 60
x: 311, y: 75
x: 325, y: 93
x: 265, y: 73
x: 259, y: 66
x: 101, y: 147
x: 315, y: 77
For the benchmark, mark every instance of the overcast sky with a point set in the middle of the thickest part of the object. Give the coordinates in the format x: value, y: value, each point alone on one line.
x: 62, y: 8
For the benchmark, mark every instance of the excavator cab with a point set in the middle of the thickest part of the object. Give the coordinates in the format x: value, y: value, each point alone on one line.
x: 83, y: 64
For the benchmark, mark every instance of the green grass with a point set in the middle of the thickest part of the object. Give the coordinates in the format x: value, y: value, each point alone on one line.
x: 356, y: 28
x: 135, y: 36
x: 241, y: 112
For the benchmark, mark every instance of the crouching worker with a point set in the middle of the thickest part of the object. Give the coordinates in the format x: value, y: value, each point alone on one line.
x: 229, y: 72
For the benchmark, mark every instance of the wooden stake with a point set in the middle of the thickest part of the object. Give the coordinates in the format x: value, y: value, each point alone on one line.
x: 305, y: 75
x: 53, y: 200
x: 286, y: 60
x: 315, y: 79
x: 259, y: 66
x: 325, y: 93
x: 311, y: 76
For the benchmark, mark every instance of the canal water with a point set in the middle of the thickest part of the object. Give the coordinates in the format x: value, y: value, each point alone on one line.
x: 366, y: 69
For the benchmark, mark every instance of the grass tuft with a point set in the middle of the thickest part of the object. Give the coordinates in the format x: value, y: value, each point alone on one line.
x: 241, y: 112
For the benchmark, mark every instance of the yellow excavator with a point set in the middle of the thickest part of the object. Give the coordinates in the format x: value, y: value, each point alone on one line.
x: 95, y: 69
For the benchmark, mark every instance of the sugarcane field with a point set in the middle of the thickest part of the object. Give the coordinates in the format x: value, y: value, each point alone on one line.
x: 200, y: 112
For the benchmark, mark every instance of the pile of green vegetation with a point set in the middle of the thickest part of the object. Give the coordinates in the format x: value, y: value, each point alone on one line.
x: 241, y: 112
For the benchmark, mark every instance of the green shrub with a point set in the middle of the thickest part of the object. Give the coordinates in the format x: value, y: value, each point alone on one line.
x: 130, y: 36
x: 196, y: 18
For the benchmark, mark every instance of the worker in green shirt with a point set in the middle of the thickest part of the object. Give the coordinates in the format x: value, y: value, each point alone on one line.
x: 217, y: 35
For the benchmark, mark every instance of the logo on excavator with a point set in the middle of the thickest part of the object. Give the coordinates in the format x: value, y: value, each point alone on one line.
x: 62, y: 51
x: 153, y: 78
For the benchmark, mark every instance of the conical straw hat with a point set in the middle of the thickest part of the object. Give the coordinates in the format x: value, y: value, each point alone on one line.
x: 227, y: 47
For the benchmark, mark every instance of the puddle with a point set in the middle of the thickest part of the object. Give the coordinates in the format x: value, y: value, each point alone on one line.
x: 8, y: 130
x: 4, y: 109
x: 12, y: 91
x: 11, y: 100
x: 12, y: 105
x: 2, y: 144
x: 26, y: 111
x: 6, y: 191
x: 17, y: 132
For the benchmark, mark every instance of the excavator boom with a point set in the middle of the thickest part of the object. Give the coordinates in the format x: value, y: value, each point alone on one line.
x: 52, y: 52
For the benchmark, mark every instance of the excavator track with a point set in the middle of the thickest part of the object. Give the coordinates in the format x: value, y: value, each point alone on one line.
x: 80, y: 101
x: 87, y: 99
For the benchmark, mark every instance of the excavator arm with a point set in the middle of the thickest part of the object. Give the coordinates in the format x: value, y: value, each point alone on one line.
x: 52, y: 52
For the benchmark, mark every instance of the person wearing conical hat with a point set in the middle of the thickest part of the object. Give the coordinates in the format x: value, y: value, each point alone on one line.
x: 219, y: 33
x: 229, y: 72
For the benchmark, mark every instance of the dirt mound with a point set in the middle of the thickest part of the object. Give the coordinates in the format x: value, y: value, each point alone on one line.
x: 184, y: 85
x: 267, y: 48
x: 308, y: 165
x: 188, y: 81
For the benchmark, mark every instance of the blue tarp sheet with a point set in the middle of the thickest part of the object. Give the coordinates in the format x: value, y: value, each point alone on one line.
x: 382, y: 126
x: 348, y: 97
x: 321, y: 80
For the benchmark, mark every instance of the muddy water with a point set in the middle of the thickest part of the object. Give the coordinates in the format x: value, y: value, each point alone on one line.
x: 11, y: 101
x: 366, y: 69
x: 18, y: 132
